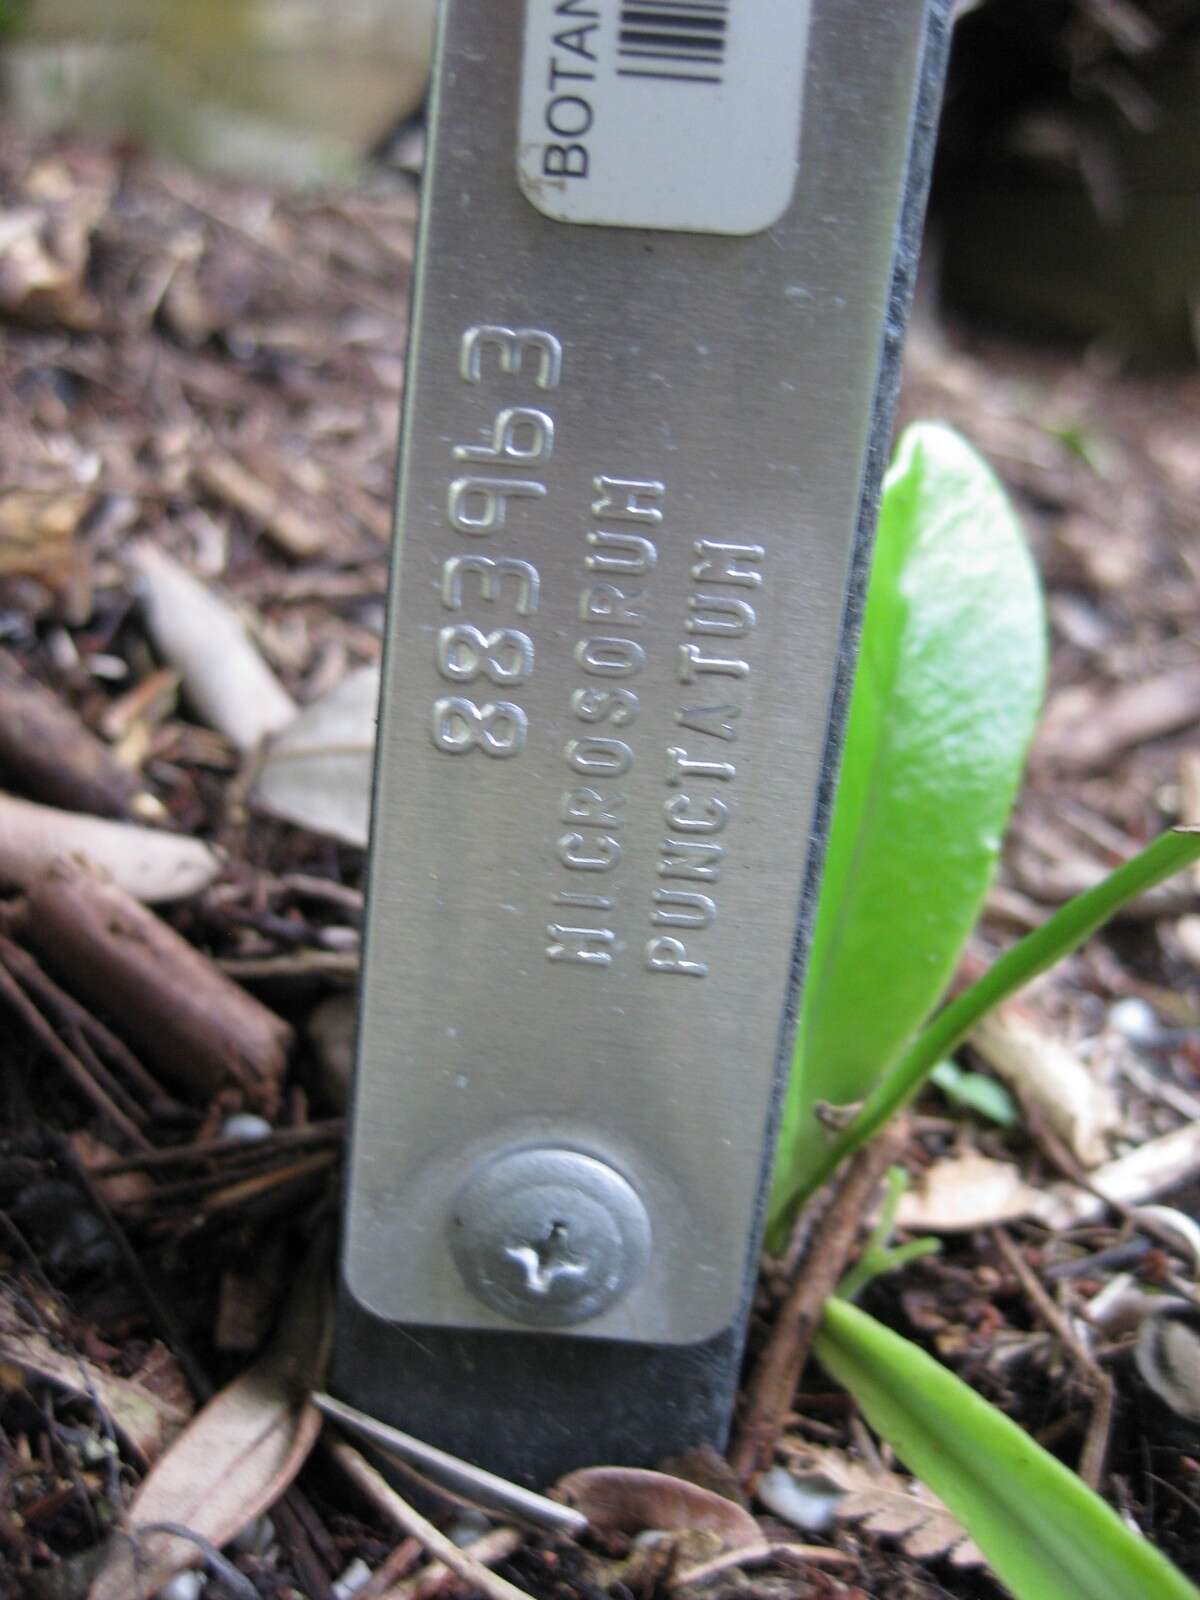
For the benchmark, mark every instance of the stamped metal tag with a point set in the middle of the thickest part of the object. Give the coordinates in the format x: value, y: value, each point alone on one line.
x: 654, y: 343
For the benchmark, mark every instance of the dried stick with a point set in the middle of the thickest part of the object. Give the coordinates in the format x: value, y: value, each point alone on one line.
x: 394, y: 1567
x: 305, y: 1560
x: 168, y: 1328
x: 490, y: 1549
x: 398, y: 1511
x: 1095, y: 1445
x: 761, y: 1555
x: 52, y: 754
x: 330, y: 1131
x: 12, y: 991
x: 23, y: 966
x: 194, y: 1024
x: 774, y: 1379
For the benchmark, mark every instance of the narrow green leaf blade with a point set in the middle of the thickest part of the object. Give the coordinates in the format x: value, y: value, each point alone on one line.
x: 1045, y: 1533
x: 1065, y: 931
x: 945, y: 699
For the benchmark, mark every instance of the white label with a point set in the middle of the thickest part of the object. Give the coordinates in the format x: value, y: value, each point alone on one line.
x: 681, y: 114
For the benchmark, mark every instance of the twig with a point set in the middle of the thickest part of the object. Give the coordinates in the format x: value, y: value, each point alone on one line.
x: 394, y: 1567
x: 331, y: 1131
x: 398, y: 1511
x: 250, y: 1189
x: 23, y: 966
x: 490, y: 1549
x: 301, y: 964
x: 11, y: 990
x: 773, y: 1381
x: 1132, y: 1216
x: 464, y: 1482
x: 168, y: 1329
x: 1095, y: 1445
x: 760, y: 1555
x: 313, y: 1577
x: 216, y: 1563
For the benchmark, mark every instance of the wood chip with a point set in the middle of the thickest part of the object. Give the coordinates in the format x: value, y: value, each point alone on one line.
x: 197, y: 1027
x: 48, y: 752
x: 224, y: 675
x: 147, y: 863
x: 228, y: 481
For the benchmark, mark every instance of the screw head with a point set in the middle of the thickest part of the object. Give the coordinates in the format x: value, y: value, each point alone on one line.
x: 549, y: 1237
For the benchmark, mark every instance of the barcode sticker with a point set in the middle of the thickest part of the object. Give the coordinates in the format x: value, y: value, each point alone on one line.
x: 680, y: 114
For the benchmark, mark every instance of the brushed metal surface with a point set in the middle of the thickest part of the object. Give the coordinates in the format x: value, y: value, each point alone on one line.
x: 733, y: 379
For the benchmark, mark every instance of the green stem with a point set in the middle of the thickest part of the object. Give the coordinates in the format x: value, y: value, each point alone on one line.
x: 1065, y: 931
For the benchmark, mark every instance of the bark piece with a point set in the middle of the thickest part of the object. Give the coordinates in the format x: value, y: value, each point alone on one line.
x: 235, y: 486
x: 197, y: 1027
x: 147, y: 863
x: 48, y: 752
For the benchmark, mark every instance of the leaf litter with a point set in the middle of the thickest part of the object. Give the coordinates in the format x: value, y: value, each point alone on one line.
x: 225, y: 453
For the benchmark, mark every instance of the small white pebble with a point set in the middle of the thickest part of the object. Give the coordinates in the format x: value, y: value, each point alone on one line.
x: 108, y: 667
x: 256, y: 1539
x: 1135, y: 1020
x: 352, y: 1580
x: 808, y: 1503
x: 467, y: 1527
x: 246, y: 1128
x: 96, y: 1448
x: 184, y: 1586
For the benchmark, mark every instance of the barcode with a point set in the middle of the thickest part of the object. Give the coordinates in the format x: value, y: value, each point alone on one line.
x: 682, y: 40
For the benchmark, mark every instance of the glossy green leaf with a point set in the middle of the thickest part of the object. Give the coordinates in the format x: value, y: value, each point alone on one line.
x: 1065, y: 931
x: 1045, y: 1533
x: 944, y: 704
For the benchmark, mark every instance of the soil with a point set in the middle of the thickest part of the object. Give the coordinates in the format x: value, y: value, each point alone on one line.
x: 155, y: 323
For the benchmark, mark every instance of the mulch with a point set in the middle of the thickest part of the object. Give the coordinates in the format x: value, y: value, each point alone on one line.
x: 217, y: 368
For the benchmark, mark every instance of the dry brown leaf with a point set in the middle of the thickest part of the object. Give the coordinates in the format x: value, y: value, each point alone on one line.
x: 630, y: 1499
x: 963, y: 1192
x: 1045, y: 1069
x: 146, y: 1421
x: 317, y: 772
x: 885, y: 1503
x: 238, y: 1455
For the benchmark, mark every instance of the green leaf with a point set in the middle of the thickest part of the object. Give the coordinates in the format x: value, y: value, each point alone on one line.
x: 1045, y: 1533
x: 1065, y: 931
x: 975, y: 1091
x: 945, y: 699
